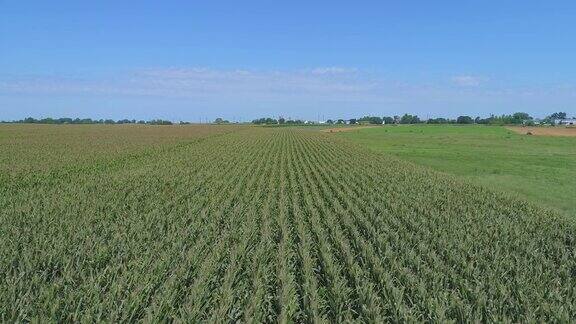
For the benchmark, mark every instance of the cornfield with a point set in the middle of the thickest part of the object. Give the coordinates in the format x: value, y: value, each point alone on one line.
x: 200, y: 223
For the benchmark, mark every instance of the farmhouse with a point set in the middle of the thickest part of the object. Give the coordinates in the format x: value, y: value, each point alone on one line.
x: 568, y: 122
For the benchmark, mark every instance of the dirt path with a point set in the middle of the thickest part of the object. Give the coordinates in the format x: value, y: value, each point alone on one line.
x: 345, y: 129
x: 545, y: 131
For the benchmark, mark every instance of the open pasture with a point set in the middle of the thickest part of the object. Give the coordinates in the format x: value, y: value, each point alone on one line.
x: 540, y: 169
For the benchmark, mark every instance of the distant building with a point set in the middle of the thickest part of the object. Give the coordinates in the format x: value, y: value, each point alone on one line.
x: 535, y: 121
x: 567, y: 122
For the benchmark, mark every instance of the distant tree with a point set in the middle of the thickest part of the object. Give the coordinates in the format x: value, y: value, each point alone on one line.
x: 281, y: 120
x: 388, y: 120
x: 439, y: 120
x: 294, y: 122
x: 409, y: 119
x: 370, y: 120
x: 330, y: 121
x: 352, y: 121
x: 261, y: 121
x: 464, y: 120
x: 558, y: 115
x: 521, y: 116
x: 484, y: 121
x: 514, y: 119
x: 221, y: 121
x: 340, y: 121
x: 159, y: 122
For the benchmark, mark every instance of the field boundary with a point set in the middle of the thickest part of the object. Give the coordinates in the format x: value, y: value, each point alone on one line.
x: 346, y: 129
x: 545, y: 131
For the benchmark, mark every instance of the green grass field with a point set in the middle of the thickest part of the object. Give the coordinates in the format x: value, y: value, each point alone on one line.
x: 112, y: 223
x: 541, y: 169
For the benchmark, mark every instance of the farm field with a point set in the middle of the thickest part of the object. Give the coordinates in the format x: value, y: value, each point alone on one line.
x: 541, y: 169
x: 206, y: 223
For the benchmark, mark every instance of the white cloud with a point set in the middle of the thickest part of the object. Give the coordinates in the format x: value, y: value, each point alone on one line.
x: 322, y: 88
x: 204, y: 82
x: 467, y: 80
x: 332, y: 70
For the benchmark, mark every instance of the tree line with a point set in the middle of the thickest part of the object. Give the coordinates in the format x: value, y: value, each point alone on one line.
x: 83, y: 121
x: 518, y: 118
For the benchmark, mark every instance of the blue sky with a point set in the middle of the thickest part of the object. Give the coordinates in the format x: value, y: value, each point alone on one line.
x: 187, y: 60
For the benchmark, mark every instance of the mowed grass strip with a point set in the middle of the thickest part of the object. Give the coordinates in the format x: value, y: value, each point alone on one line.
x: 270, y: 224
